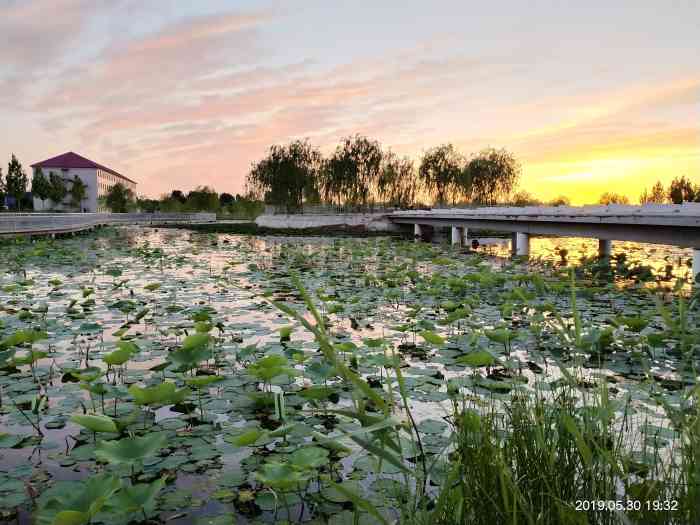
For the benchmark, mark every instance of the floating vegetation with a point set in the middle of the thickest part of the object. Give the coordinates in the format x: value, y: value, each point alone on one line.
x: 175, y: 377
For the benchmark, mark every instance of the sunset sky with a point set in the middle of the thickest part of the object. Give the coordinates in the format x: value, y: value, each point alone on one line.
x: 590, y: 97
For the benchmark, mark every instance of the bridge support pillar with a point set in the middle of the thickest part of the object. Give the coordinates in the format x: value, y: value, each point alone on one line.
x: 417, y: 233
x: 465, y: 236
x: 604, y: 248
x: 456, y: 236
x: 696, y: 266
x: 520, y: 244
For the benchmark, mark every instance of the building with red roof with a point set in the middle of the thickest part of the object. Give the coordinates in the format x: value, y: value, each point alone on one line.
x: 97, y: 178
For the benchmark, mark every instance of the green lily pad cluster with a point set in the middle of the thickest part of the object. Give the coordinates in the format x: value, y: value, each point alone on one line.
x: 166, y: 375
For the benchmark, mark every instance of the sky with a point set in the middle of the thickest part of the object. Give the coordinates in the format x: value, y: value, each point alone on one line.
x: 590, y: 97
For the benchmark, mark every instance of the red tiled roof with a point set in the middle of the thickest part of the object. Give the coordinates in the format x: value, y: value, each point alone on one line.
x: 73, y: 160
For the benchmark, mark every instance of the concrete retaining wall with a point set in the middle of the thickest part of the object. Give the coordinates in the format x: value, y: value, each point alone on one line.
x: 373, y: 222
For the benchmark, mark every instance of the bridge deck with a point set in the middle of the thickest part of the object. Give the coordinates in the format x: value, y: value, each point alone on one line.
x: 663, y: 224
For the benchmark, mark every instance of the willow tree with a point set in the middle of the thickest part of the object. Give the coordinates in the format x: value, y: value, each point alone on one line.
x: 287, y: 176
x: 351, y: 173
x: 396, y: 185
x: 492, y: 174
x: 441, y: 172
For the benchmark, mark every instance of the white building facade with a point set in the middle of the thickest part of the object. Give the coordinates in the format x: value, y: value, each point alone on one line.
x: 98, y: 180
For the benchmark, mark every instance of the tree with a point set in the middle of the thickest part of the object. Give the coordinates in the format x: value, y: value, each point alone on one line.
x: 226, y: 199
x: 119, y: 198
x: 286, y: 176
x: 681, y: 190
x: 78, y: 191
x: 203, y: 198
x: 492, y: 175
x: 561, y: 200
x: 610, y: 197
x: 245, y: 207
x: 41, y: 188
x: 148, y: 205
x: 2, y: 190
x: 441, y: 172
x: 16, y: 181
x: 525, y: 198
x: 179, y: 196
x: 657, y: 194
x: 396, y: 185
x: 57, y: 188
x: 350, y: 175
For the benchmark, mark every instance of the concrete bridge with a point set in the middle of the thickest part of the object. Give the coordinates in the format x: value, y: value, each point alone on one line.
x: 61, y: 223
x: 677, y: 225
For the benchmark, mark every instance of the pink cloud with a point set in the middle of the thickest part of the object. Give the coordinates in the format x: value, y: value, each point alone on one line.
x: 200, y: 99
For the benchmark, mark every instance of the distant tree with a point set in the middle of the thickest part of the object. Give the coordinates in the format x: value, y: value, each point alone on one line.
x: 168, y: 204
x: 57, y: 188
x: 41, y: 188
x: 682, y: 190
x: 245, y: 207
x: 179, y: 196
x: 16, y: 181
x: 610, y: 197
x: 524, y: 198
x: 78, y: 191
x: 351, y: 173
x: 286, y: 175
x: 203, y: 198
x: 442, y: 173
x: 492, y: 175
x: 396, y: 185
x: 657, y: 194
x: 148, y: 205
x: 225, y: 199
x: 561, y: 200
x: 119, y: 198
x: 2, y: 190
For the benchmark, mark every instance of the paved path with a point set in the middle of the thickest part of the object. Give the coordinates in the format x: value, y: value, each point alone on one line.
x: 58, y: 223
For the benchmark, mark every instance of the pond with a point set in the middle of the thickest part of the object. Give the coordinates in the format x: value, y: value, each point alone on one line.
x: 168, y: 376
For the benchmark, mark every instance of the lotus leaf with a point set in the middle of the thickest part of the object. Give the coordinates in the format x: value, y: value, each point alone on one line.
x: 130, y: 450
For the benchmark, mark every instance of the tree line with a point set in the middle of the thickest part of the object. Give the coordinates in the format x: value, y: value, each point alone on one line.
x: 360, y: 174
x: 52, y: 188
x: 120, y: 199
x: 680, y: 189
x: 203, y: 199
x: 55, y: 190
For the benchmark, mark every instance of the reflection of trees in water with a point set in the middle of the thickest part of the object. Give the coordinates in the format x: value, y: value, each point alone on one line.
x: 666, y: 263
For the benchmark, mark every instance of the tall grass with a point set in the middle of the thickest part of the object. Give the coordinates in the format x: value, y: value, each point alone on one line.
x: 562, y: 453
